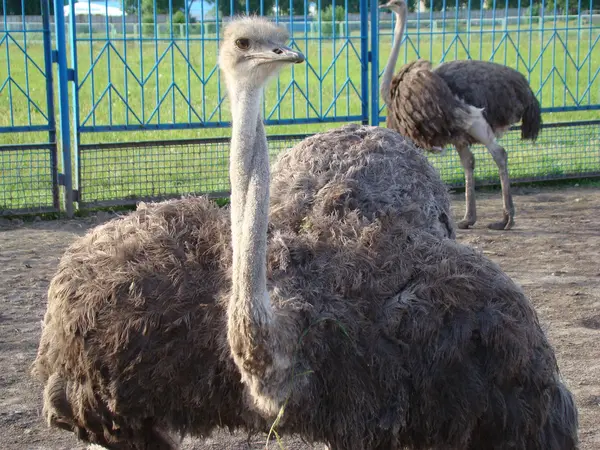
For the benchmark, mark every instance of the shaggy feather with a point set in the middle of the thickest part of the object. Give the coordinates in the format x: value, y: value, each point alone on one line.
x: 423, y: 108
x: 503, y: 93
x: 381, y: 333
x: 362, y: 168
x: 444, y: 349
x: 411, y: 341
x: 133, y: 291
x: 432, y: 106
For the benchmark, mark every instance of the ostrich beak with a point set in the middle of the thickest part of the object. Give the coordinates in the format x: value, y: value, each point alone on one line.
x: 280, y: 53
x: 385, y: 6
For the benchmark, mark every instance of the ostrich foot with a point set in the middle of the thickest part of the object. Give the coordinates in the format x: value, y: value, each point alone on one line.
x: 465, y: 223
x: 505, y: 224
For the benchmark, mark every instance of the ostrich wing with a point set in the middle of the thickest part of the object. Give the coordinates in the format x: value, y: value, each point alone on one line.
x: 424, y: 108
x: 501, y: 91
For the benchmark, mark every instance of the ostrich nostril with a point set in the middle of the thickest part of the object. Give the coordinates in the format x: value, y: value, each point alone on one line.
x: 278, y: 51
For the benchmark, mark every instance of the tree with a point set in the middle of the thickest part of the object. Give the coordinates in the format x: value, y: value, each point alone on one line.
x: 32, y: 7
x: 297, y: 7
x: 162, y: 6
x: 239, y: 6
x: 501, y: 4
x: 572, y: 8
x: 436, y: 5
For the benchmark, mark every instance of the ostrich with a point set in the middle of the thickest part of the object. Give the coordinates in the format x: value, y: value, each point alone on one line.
x: 134, y: 344
x: 377, y: 334
x: 459, y: 103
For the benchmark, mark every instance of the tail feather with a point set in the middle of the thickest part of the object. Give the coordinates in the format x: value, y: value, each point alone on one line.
x: 560, y: 431
x: 66, y: 407
x: 57, y: 409
x: 532, y: 120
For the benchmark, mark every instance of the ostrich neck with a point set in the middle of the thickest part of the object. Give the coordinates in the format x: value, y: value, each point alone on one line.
x: 250, y: 308
x: 388, y: 73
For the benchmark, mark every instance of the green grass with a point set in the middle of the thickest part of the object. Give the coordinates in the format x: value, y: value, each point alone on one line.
x: 133, y: 172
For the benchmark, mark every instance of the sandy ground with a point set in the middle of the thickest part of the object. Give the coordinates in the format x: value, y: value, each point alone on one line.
x: 553, y: 252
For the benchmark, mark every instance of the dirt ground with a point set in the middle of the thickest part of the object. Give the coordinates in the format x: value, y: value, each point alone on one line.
x: 553, y: 252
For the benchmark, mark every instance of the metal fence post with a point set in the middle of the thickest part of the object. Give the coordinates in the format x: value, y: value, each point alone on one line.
x: 63, y: 105
x: 374, y: 63
x: 50, y: 99
x: 364, y: 59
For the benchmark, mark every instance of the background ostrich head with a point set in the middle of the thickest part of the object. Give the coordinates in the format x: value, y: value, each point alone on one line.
x: 397, y: 6
x: 253, y: 50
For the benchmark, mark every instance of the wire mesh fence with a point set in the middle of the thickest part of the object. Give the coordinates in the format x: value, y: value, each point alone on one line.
x: 125, y: 173
x: 561, y: 151
x: 27, y: 179
x: 129, y: 68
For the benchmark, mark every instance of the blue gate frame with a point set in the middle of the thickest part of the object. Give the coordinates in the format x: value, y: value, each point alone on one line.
x: 150, y: 74
x: 29, y: 172
x: 553, y: 30
x: 165, y: 95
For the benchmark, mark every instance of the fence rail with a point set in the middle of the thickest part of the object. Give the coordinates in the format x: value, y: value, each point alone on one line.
x: 125, y: 173
x: 120, y: 78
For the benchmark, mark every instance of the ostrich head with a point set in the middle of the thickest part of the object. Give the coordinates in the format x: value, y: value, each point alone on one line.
x: 397, y: 6
x: 253, y: 50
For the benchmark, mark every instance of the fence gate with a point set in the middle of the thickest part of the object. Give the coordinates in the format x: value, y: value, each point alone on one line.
x: 29, y: 179
x: 149, y: 102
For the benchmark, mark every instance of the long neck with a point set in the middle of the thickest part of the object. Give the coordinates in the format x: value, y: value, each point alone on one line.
x: 249, y: 177
x: 388, y: 73
x: 251, y: 327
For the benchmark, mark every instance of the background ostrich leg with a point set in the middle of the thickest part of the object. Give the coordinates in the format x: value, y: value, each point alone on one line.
x: 468, y: 162
x: 482, y: 131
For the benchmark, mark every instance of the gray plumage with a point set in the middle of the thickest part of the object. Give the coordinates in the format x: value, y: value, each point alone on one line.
x: 397, y: 335
x: 365, y: 169
x: 459, y: 103
x: 132, y: 293
x: 431, y: 107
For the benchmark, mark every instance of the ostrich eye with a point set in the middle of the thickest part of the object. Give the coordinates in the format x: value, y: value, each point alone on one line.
x: 242, y: 44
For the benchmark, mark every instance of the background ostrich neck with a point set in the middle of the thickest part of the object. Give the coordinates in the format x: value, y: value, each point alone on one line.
x: 249, y: 177
x: 388, y: 74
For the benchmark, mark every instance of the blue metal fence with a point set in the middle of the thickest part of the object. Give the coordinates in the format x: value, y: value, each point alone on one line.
x: 134, y: 73
x: 153, y: 70
x: 28, y: 172
x: 556, y: 51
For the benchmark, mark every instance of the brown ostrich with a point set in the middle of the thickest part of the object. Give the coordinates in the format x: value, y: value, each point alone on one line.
x: 134, y: 346
x: 376, y: 334
x: 459, y: 103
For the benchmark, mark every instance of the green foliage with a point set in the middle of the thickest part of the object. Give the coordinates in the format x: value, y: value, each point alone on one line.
x: 412, y: 5
x: 331, y: 19
x: 148, y: 17
x: 179, y: 17
x: 536, y: 9
x: 435, y: 5
x: 32, y: 7
x: 297, y: 7
x: 239, y: 6
x: 162, y: 6
x: 501, y: 4
x: 572, y: 7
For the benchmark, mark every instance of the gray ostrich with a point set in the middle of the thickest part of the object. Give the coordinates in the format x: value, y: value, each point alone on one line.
x: 459, y: 103
x: 134, y: 344
x: 377, y: 334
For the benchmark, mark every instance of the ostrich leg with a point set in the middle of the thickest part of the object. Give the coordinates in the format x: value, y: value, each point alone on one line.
x: 482, y: 131
x: 468, y: 162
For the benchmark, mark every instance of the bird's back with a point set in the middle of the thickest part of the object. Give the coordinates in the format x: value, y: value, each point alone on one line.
x: 423, y: 108
x: 502, y: 92
x: 444, y: 349
x: 370, y: 170
x: 131, y: 311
